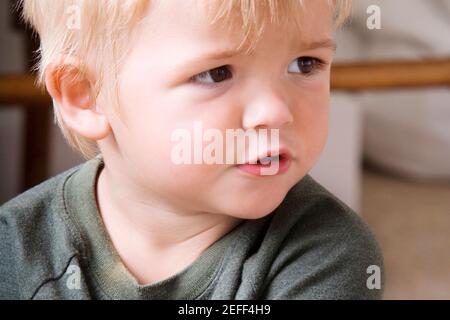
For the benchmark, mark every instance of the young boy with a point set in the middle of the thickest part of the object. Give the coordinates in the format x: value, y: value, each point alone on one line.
x: 133, y: 222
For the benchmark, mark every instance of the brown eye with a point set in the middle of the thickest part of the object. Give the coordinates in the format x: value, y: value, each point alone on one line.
x: 213, y: 76
x: 305, y: 65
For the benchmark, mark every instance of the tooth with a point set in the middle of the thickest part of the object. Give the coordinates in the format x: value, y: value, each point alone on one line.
x: 268, y: 160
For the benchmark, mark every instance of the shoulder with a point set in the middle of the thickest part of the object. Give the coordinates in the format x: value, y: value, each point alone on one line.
x: 311, y: 210
x: 32, y: 230
x: 327, y: 250
x: 40, y: 196
x: 29, y: 212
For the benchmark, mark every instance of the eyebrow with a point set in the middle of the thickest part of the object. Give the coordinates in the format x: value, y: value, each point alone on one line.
x: 216, y: 55
x: 229, y: 53
x: 326, y: 44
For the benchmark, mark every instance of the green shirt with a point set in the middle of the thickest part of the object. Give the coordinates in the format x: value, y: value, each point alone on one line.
x: 53, y: 245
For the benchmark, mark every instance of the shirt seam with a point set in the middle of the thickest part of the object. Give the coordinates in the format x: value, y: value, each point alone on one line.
x: 69, y: 221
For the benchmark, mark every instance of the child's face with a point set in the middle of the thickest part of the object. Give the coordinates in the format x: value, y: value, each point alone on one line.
x: 266, y: 89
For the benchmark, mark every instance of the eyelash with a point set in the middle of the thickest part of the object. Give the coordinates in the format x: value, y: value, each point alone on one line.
x: 319, y: 65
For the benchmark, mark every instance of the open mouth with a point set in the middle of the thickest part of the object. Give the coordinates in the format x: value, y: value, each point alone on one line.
x: 268, y: 165
x: 269, y: 160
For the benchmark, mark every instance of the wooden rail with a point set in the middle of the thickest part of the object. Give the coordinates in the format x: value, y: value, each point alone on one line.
x: 21, y: 90
x: 391, y: 75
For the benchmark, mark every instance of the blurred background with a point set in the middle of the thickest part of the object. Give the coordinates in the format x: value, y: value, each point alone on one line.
x: 388, y: 153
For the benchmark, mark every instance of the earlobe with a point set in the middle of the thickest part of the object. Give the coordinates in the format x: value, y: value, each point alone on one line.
x: 73, y: 93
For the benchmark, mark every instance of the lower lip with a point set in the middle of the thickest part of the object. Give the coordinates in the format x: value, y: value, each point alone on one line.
x: 256, y: 169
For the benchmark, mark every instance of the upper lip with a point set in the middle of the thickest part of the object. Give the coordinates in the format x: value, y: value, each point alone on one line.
x: 281, y: 152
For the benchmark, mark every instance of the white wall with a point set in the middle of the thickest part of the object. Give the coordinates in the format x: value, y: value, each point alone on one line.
x: 339, y: 168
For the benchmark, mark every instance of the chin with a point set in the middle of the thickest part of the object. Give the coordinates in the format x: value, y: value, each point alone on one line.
x: 255, y: 207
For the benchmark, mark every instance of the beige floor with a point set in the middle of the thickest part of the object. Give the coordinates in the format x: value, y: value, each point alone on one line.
x: 412, y: 224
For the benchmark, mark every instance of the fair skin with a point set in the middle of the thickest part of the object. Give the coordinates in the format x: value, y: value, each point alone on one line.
x: 155, y: 210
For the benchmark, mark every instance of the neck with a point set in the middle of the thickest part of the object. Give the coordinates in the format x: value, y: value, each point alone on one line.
x: 144, y: 229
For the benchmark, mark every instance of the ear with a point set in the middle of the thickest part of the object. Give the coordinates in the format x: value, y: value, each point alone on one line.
x: 73, y: 93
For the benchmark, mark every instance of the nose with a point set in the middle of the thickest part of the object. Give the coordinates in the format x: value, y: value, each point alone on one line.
x: 269, y: 109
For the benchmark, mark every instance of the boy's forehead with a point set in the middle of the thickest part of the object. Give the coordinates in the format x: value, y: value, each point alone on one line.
x: 191, y: 19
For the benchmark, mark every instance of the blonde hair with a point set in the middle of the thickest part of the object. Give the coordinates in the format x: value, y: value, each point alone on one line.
x: 107, y: 25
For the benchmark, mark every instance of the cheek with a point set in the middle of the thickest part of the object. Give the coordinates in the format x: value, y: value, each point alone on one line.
x: 143, y: 133
x: 312, y: 118
x: 146, y: 140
